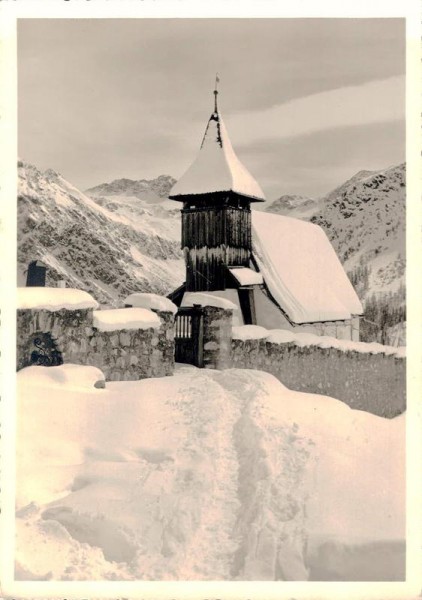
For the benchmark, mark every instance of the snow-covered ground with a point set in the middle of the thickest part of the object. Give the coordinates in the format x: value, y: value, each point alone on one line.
x: 218, y: 475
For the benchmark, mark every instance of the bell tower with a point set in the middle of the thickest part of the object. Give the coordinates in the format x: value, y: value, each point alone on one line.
x: 216, y: 192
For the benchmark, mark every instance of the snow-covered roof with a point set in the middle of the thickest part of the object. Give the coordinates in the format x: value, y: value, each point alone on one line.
x: 245, y: 276
x: 49, y: 298
x: 151, y: 301
x: 302, y: 270
x: 216, y: 167
x: 125, y: 318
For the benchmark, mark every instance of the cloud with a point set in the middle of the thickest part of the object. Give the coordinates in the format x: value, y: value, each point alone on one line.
x: 316, y: 163
x: 378, y: 101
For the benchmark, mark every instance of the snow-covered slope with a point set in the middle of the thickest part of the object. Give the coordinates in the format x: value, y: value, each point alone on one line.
x: 109, y: 247
x: 223, y: 475
x: 365, y: 221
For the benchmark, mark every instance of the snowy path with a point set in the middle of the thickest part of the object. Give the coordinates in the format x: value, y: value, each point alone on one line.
x: 209, y: 551
x: 220, y: 475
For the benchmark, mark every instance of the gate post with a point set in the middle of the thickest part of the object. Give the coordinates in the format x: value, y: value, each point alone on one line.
x: 217, y: 337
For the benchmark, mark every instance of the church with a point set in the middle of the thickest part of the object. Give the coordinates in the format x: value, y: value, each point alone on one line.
x: 280, y: 272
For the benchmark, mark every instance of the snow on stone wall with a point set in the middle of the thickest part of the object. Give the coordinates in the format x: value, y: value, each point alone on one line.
x: 125, y: 318
x: 125, y: 354
x: 151, y: 301
x: 375, y: 382
x: 49, y: 298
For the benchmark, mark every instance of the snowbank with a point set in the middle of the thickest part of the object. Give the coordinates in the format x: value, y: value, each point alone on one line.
x: 125, y: 318
x: 204, y: 299
x: 302, y: 270
x: 151, y: 301
x: 284, y: 336
x: 53, y: 299
x: 71, y: 376
x: 219, y: 475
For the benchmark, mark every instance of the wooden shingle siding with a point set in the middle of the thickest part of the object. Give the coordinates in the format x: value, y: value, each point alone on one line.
x: 213, y: 227
x: 216, y: 233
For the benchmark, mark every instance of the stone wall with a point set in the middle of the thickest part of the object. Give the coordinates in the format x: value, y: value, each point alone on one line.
x: 375, y: 383
x: 217, y: 337
x: 126, y: 354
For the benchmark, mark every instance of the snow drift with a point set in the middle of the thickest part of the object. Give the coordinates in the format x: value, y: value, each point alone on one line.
x: 207, y: 475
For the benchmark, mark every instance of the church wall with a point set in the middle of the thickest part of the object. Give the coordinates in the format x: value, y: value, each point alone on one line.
x: 268, y: 315
x: 375, y: 383
x: 126, y: 354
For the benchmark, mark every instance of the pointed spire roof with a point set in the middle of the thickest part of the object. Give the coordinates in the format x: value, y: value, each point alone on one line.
x: 216, y: 167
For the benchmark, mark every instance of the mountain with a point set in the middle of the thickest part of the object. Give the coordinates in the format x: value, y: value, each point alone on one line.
x: 364, y: 219
x: 109, y: 247
x: 300, y: 207
x: 144, y: 189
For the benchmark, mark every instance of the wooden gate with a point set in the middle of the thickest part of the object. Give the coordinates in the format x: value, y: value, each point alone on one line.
x: 189, y: 336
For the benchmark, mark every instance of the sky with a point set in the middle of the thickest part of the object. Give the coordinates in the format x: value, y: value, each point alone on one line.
x: 307, y: 102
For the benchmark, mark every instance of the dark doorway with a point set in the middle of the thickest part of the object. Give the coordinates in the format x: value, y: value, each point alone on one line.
x: 36, y: 274
x: 189, y: 336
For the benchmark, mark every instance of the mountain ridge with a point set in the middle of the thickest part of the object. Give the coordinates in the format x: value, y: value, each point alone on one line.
x: 92, y: 247
x: 160, y: 186
x: 364, y: 218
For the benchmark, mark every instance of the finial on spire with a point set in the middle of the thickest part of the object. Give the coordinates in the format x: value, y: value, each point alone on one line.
x: 217, y: 79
